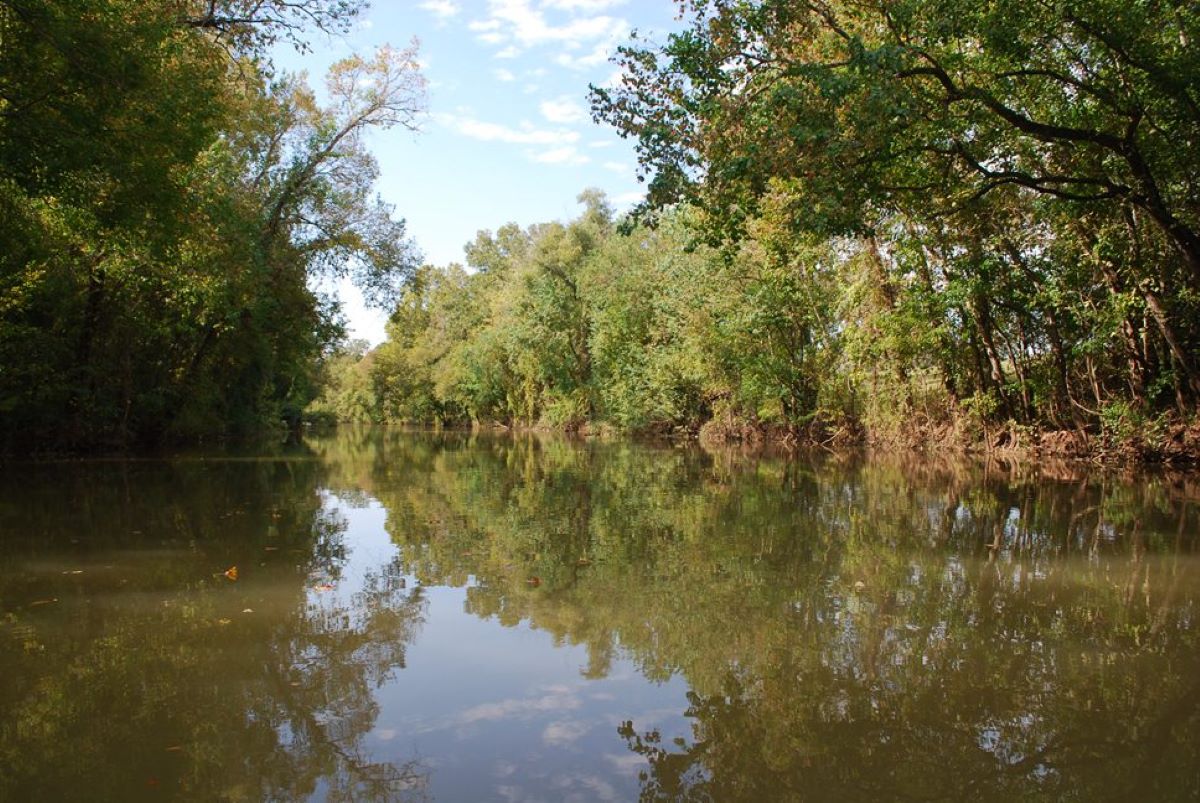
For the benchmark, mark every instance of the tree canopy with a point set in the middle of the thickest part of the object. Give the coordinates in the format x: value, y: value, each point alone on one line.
x: 169, y: 205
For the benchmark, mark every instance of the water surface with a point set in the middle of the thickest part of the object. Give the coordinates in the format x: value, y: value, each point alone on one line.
x: 469, y: 618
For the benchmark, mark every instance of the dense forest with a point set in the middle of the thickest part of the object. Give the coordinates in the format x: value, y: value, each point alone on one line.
x: 910, y: 220
x: 903, y: 221
x: 169, y: 202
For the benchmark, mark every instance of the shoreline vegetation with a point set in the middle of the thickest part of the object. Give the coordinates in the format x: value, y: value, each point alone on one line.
x: 1177, y: 445
x: 902, y: 225
x: 605, y: 326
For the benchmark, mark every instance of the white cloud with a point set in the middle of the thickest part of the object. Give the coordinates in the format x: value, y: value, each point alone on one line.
x: 627, y: 763
x: 519, y: 708
x: 617, y: 167
x: 629, y: 198
x: 589, y: 6
x: 522, y: 26
x: 564, y: 732
x: 504, y: 75
x: 563, y: 110
x: 442, y: 9
x: 597, y: 56
x: 614, y: 80
x: 495, y: 132
x: 565, y: 155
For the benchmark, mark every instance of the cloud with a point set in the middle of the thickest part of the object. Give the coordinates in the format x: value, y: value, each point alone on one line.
x: 442, y: 9
x: 617, y: 167
x: 566, y: 154
x: 495, y: 132
x: 564, y: 732
x: 555, y: 699
x: 598, y: 55
x: 520, y: 709
x: 627, y: 764
x: 614, y: 80
x: 582, y: 5
x: 563, y: 110
x: 520, y: 25
x: 629, y: 198
x: 504, y: 75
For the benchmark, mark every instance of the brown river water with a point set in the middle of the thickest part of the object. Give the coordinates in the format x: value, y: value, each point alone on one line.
x: 387, y: 615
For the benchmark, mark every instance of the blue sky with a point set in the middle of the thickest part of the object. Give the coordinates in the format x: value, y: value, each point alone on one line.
x: 509, y: 135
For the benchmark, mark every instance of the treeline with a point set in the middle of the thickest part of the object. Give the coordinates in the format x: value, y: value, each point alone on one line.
x: 169, y: 202
x: 566, y: 324
x: 880, y: 214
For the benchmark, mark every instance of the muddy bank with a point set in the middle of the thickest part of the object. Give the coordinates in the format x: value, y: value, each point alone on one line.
x: 1175, y: 443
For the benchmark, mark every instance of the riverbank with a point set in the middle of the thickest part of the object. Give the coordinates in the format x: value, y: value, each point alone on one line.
x: 1174, y: 442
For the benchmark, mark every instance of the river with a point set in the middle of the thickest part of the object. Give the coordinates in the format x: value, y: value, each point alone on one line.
x: 387, y: 615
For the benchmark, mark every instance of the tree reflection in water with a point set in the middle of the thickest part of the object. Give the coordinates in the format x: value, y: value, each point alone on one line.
x: 849, y: 629
x: 146, y: 673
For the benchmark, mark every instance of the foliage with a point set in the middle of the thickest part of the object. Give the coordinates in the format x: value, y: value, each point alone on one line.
x: 168, y: 207
x: 1010, y: 191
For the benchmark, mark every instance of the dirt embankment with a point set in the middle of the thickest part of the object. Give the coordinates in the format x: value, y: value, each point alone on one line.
x: 1172, y: 443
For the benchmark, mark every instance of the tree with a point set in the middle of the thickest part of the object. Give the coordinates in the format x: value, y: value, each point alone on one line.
x: 919, y: 120
x: 168, y: 208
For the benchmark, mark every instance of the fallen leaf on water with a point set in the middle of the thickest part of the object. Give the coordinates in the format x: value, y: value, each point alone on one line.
x: 323, y: 587
x: 231, y: 572
x: 224, y: 621
x: 76, y: 571
x: 247, y: 610
x: 270, y: 548
x: 534, y: 581
x: 178, y: 748
x: 43, y: 601
x: 583, y: 562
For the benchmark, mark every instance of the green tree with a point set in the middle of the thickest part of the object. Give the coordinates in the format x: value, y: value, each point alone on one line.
x: 167, y: 208
x: 1025, y: 172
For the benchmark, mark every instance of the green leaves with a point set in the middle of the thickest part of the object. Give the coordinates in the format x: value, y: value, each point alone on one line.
x: 168, y: 204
